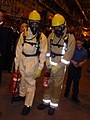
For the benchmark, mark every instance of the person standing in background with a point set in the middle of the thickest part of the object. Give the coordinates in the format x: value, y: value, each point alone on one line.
x: 12, y: 49
x: 23, y: 26
x: 5, y: 37
x: 74, y: 70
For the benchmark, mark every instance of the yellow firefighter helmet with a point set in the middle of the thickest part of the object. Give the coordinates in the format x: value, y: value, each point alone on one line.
x: 34, y: 15
x: 58, y: 20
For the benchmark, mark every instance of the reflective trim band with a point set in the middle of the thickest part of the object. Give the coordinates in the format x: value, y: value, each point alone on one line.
x: 53, y: 105
x: 65, y: 44
x: 48, y: 54
x: 61, y: 87
x: 52, y: 63
x: 65, y: 61
x: 63, y: 50
x: 46, y: 101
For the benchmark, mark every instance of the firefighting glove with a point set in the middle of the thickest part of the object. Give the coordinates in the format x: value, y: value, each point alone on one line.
x: 55, y: 69
x: 37, y: 74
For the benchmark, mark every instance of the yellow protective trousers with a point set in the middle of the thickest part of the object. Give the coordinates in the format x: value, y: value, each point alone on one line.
x: 55, y: 86
x: 28, y: 65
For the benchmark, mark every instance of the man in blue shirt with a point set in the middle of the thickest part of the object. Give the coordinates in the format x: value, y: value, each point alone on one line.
x: 74, y: 70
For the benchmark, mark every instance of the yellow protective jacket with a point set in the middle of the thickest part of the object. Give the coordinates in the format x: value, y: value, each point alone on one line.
x: 60, y: 60
x: 31, y: 49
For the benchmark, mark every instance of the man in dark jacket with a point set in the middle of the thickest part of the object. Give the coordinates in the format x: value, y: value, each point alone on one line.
x: 5, y: 34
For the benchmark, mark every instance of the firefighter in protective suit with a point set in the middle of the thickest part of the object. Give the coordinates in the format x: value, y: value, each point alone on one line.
x: 60, y: 50
x: 30, y: 57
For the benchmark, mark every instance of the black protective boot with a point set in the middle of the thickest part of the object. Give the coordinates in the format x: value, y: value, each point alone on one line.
x: 42, y: 106
x: 19, y: 98
x: 25, y: 110
x: 75, y: 99
x: 51, y: 111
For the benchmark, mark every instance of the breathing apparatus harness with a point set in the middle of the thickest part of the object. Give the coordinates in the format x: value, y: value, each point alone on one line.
x: 36, y: 44
x: 65, y: 46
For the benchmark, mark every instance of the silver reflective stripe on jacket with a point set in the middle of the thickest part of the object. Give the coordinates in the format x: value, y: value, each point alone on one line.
x: 62, y: 57
x: 48, y: 55
x: 52, y: 63
x: 65, y: 61
x: 63, y: 52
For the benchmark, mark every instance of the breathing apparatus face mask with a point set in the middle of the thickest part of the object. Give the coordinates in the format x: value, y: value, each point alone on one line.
x: 59, y: 30
x: 34, y: 26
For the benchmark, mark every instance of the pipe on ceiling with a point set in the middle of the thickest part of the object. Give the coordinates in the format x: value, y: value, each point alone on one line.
x: 63, y: 7
x: 81, y: 9
x: 44, y: 4
x: 40, y: 1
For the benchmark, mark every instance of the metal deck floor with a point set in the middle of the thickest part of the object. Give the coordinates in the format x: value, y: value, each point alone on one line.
x: 67, y: 110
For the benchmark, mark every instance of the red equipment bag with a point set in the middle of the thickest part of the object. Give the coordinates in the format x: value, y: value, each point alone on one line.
x: 14, y: 87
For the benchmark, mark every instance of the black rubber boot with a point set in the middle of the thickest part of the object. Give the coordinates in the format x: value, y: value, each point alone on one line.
x: 51, y: 111
x: 76, y: 100
x: 43, y: 106
x: 25, y: 110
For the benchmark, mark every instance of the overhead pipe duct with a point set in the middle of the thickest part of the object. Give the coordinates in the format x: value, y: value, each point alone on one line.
x: 66, y: 10
x: 45, y: 5
x: 42, y: 3
x: 63, y: 7
x: 81, y: 9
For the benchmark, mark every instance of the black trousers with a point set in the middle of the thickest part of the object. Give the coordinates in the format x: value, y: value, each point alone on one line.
x: 74, y: 75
